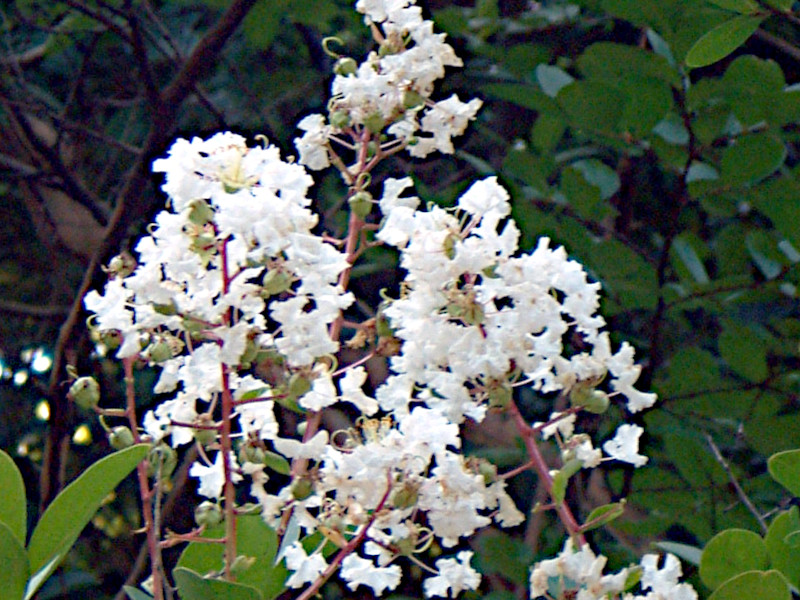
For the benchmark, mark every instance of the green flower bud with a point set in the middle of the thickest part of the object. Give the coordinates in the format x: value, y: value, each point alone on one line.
x: 339, y: 119
x: 450, y: 246
x: 361, y: 204
x: 201, y: 213
x: 375, y: 122
x: 500, y: 395
x: 589, y: 399
x: 252, y: 454
x: 162, y: 456
x: 111, y: 339
x: 405, y: 497
x: 166, y: 309
x: 412, y: 99
x: 85, y: 392
x: 158, y: 351
x: 345, y: 66
x: 302, y: 489
x: 276, y: 282
x: 120, y: 437
x: 208, y: 513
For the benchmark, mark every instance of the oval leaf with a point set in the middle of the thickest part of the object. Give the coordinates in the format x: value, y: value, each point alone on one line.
x: 690, y: 554
x: 73, y: 508
x: 136, y: 593
x: 752, y: 158
x: 722, y: 40
x: 783, y: 556
x: 730, y: 553
x: 13, y: 508
x: 754, y: 585
x: 192, y: 586
x: 743, y: 7
x: 603, y: 514
x: 785, y: 469
x: 14, y: 574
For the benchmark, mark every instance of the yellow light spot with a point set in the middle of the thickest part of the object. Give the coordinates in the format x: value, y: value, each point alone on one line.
x: 82, y: 435
x: 20, y: 377
x: 42, y: 410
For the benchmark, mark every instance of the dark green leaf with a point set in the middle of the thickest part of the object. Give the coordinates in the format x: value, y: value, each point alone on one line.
x: 592, y: 106
x: 73, y: 508
x: 744, y: 351
x: 730, y: 553
x: 764, y: 251
x: 743, y: 7
x: 690, y: 554
x: 602, y: 515
x: 722, y: 40
x: 619, y: 62
x: 522, y: 95
x: 752, y: 158
x: 13, y: 508
x: 683, y: 250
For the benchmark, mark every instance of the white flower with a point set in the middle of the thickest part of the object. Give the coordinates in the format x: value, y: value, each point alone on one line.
x: 306, y: 568
x: 357, y: 571
x: 455, y: 576
x: 313, y: 145
x: 212, y: 478
x: 351, y: 384
x: 625, y: 445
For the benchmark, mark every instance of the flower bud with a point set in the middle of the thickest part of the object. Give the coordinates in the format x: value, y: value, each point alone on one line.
x: 374, y: 122
x: 120, y: 437
x: 589, y: 399
x: 361, y: 204
x: 412, y: 99
x: 405, y: 497
x: 252, y: 454
x: 85, y: 392
x: 162, y: 456
x: 345, y: 66
x: 275, y: 282
x: 121, y: 266
x: 302, y: 489
x: 158, y: 351
x: 208, y: 513
x: 339, y: 119
x: 201, y: 213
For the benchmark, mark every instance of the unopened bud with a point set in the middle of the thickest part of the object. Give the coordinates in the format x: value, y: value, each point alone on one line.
x: 302, y: 489
x: 345, y: 66
x: 412, y: 99
x: 85, y: 392
x: 361, y: 204
x: 120, y: 437
x: 161, y: 459
x: 208, y: 513
x: 375, y: 122
x: 339, y: 119
x: 589, y: 399
x: 276, y: 282
x: 406, y: 497
x: 241, y: 563
x: 201, y: 213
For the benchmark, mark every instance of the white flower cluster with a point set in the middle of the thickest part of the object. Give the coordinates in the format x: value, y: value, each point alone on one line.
x: 474, y: 316
x: 391, y: 90
x: 578, y: 574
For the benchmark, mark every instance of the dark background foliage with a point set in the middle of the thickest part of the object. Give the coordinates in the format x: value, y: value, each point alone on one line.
x: 679, y: 190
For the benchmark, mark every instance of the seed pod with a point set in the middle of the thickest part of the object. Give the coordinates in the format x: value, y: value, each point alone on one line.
x: 120, y: 437
x: 208, y: 513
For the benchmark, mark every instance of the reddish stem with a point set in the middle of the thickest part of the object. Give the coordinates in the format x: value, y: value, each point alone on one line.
x: 146, y: 494
x: 543, y: 471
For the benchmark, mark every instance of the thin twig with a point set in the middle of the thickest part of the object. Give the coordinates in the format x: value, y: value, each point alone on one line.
x: 735, y: 483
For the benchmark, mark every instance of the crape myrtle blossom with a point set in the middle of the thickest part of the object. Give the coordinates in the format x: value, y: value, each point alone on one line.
x: 390, y: 90
x: 238, y: 300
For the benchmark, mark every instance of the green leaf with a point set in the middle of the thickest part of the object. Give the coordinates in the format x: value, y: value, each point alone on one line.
x: 526, y: 96
x: 785, y: 469
x: 754, y: 585
x: 752, y: 158
x: 722, y: 40
x: 15, y: 569
x: 13, y: 508
x: 192, y: 586
x: 763, y: 249
x: 254, y: 538
x: 690, y: 554
x: 743, y: 7
x: 782, y: 5
x: 592, y: 106
x: 602, y: 515
x: 620, y: 62
x: 500, y: 553
x: 547, y: 131
x: 783, y: 556
x: 73, y: 508
x: 552, y: 79
x: 136, y: 593
x: 730, y: 553
x: 600, y: 175
x: 683, y: 250
x: 744, y: 351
